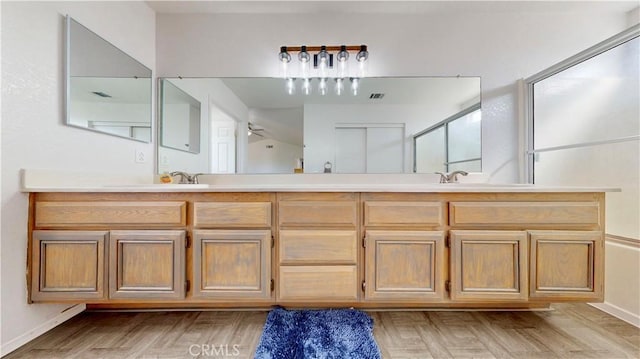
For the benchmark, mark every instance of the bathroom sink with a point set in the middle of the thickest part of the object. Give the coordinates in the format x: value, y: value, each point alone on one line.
x: 157, y: 185
x: 480, y: 185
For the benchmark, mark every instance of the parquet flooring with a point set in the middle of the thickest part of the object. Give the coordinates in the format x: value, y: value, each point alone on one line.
x: 567, y: 331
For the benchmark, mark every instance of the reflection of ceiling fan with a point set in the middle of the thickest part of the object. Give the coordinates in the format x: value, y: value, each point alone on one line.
x: 253, y: 130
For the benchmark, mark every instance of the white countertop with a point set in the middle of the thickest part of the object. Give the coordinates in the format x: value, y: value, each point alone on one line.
x: 447, y: 187
x: 56, y: 181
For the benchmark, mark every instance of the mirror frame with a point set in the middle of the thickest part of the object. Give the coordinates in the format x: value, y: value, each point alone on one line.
x: 67, y: 82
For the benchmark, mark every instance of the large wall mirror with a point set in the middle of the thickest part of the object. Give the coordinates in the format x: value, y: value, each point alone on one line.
x: 390, y: 125
x: 108, y: 91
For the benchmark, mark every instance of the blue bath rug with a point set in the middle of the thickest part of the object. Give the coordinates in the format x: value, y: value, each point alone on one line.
x: 317, y: 334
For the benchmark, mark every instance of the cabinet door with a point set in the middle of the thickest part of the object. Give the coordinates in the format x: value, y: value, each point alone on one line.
x: 404, y: 265
x: 488, y: 265
x: 567, y: 265
x: 68, y: 265
x: 232, y: 264
x: 147, y: 264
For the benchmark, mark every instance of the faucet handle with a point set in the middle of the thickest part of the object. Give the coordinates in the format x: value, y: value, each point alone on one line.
x: 444, y: 178
x: 184, y: 178
x: 453, y: 177
x: 194, y: 178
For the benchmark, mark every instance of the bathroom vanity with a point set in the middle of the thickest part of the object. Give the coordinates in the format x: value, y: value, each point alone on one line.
x: 368, y: 246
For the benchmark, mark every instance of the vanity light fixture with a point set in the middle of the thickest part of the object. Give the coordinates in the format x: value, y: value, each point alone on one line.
x: 323, y: 67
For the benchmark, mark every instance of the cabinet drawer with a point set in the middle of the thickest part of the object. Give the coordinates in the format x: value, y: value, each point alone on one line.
x: 318, y: 283
x: 524, y: 214
x: 232, y: 214
x: 378, y: 213
x: 317, y: 213
x: 63, y: 214
x: 318, y: 247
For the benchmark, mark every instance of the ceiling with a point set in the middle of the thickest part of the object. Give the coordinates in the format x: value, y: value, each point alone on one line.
x: 270, y: 93
x: 383, y: 7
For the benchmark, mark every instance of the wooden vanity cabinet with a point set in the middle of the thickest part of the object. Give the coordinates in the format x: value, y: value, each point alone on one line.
x: 93, y: 247
x: 318, y: 248
x: 405, y: 258
x: 301, y: 249
x: 550, y: 249
x: 233, y: 248
x: 69, y: 265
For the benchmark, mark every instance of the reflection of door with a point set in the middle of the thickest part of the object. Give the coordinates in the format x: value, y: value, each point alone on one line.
x: 351, y: 148
x: 223, y: 142
x: 369, y: 148
x: 385, y: 149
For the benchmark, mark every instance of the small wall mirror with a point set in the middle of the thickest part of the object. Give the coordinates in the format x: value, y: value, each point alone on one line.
x: 108, y: 91
x: 179, y: 118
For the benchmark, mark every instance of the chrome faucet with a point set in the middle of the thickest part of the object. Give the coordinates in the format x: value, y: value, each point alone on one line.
x: 186, y: 178
x: 451, y: 177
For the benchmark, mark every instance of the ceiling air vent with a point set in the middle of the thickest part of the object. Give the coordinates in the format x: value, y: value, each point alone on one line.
x: 101, y: 94
x: 376, y: 96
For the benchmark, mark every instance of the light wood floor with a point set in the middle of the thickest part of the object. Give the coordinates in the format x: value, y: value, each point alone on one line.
x: 567, y: 331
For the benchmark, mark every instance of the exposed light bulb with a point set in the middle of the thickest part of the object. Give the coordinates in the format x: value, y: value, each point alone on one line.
x: 284, y: 55
x: 322, y: 67
x: 343, y: 63
x: 304, y: 70
x: 343, y: 55
x: 306, y: 86
x: 322, y: 86
x: 249, y: 133
x: 355, y: 85
x: 362, y: 68
x: 285, y: 58
x: 305, y: 59
x: 363, y: 55
x: 339, y: 86
x: 323, y: 59
x: 291, y: 86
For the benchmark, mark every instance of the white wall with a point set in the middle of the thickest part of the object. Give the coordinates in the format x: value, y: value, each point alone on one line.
x: 320, y: 122
x: 500, y: 46
x: 281, y: 158
x: 33, y: 134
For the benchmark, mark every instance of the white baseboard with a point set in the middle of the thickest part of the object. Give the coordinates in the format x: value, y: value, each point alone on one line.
x: 618, y: 312
x: 41, y: 329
